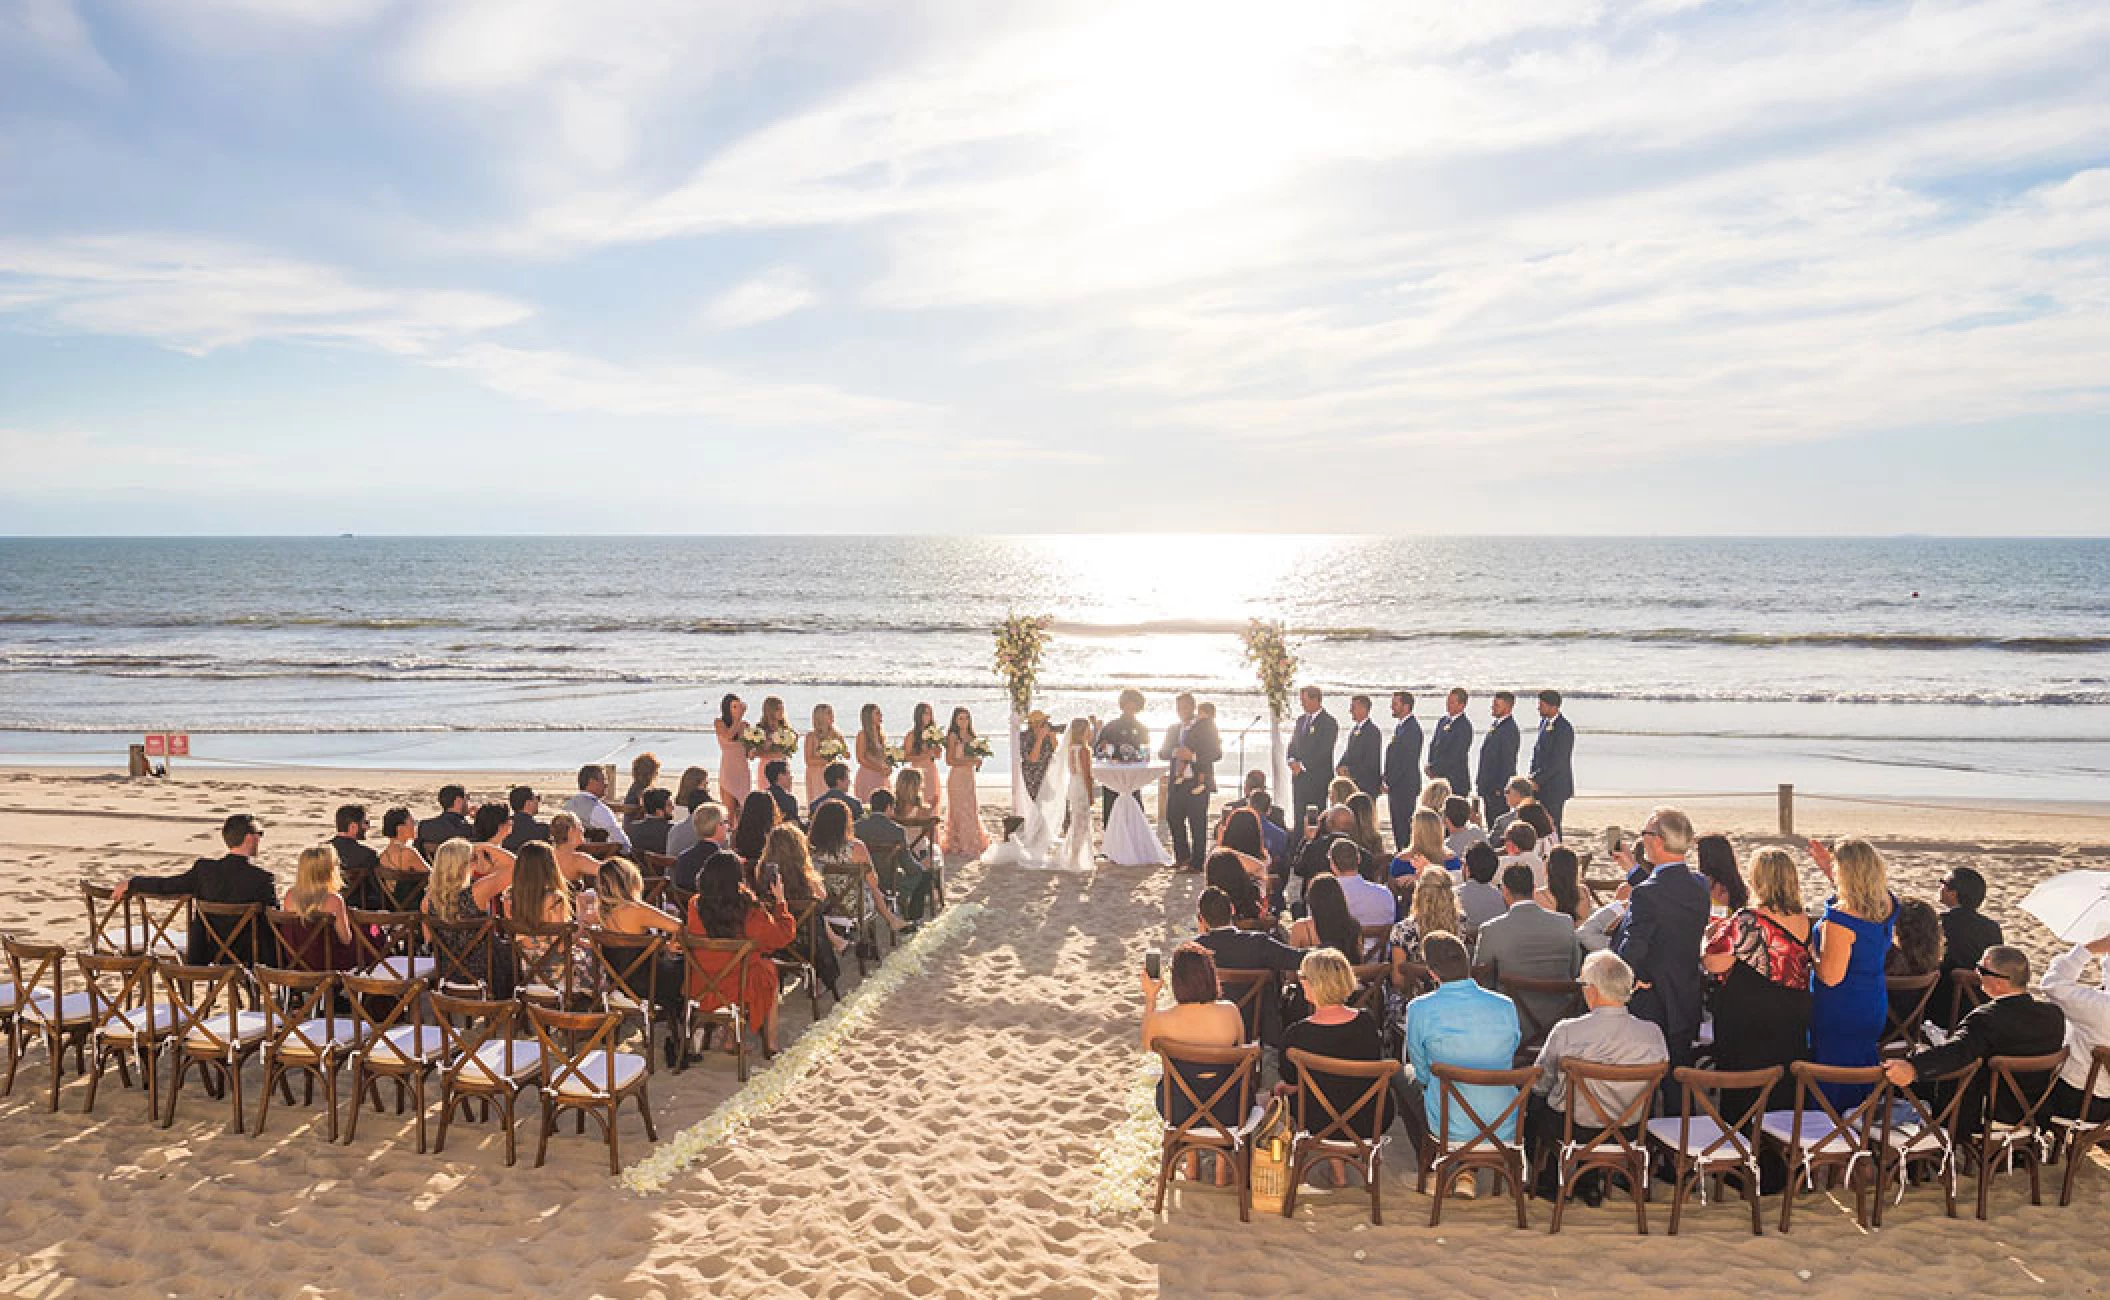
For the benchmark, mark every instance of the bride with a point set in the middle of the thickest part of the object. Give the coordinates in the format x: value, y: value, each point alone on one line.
x: 1065, y: 786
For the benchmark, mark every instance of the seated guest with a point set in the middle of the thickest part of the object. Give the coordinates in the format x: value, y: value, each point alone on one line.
x: 1479, y: 898
x: 1364, y: 809
x: 1226, y: 870
x: 1426, y: 849
x: 644, y: 770
x: 525, y: 829
x: 455, y: 892
x: 2009, y: 1023
x: 621, y: 887
x: 1236, y: 949
x: 1244, y: 835
x: 1459, y: 832
x: 1436, y: 795
x: 567, y: 842
x: 1200, y: 1016
x: 690, y: 827
x: 1339, y: 791
x: 1370, y: 903
x: 1328, y: 922
x: 2087, y: 1008
x: 1313, y: 856
x: 706, y: 827
x: 1565, y: 891
x: 776, y: 780
x: 400, y: 854
x: 1519, y: 791
x: 725, y: 908
x: 655, y: 821
x: 920, y: 863
x: 845, y: 863
x: 1540, y: 821
x: 541, y: 894
x: 1966, y: 933
x: 1432, y: 908
x: 1273, y: 835
x: 1337, y: 1030
x: 322, y: 938
x: 694, y: 788
x: 789, y: 858
x: 758, y: 817
x: 352, y: 854
x: 231, y: 879
x: 1761, y: 960
x: 837, y: 778
x: 491, y: 825
x: 1715, y: 859
x: 1520, y: 848
x: 452, y: 820
x: 1459, y: 1024
x: 591, y: 813
x: 1529, y: 942
x: 883, y: 837
x: 1605, y: 1035
x: 1255, y: 783
x: 1915, y: 949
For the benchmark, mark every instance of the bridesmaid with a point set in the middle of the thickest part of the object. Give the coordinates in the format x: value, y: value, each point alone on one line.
x: 874, y: 769
x: 817, y: 741
x: 773, y: 722
x: 923, y: 755
x: 736, y: 771
x: 964, y: 833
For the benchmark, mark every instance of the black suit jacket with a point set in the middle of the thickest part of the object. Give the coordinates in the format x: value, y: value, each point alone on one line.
x: 1364, y: 757
x: 1403, y: 757
x: 1498, y: 758
x: 2016, y: 1025
x: 1449, y: 749
x: 1966, y: 934
x: 1311, y: 743
x: 232, y: 879
x: 1202, y: 738
x: 526, y: 830
x: 1552, y: 758
x: 1666, y: 921
x: 434, y: 831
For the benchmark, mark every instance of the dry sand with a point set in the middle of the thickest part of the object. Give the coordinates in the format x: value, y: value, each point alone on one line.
x: 949, y: 1150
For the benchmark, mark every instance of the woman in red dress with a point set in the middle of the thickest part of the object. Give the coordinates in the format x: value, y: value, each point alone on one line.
x: 724, y: 908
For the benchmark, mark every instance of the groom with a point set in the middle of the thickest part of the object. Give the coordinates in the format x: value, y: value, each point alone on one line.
x: 1127, y: 729
x: 1193, y: 749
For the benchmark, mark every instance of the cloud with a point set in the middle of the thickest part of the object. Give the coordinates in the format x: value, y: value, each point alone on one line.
x: 775, y: 293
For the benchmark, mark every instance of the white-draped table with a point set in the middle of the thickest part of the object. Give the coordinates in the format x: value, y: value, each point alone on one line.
x: 1129, y: 841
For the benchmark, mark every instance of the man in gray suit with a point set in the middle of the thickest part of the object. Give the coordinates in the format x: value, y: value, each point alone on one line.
x: 1533, y: 943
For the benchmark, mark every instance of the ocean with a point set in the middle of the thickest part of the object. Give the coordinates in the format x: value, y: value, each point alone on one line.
x: 1907, y: 667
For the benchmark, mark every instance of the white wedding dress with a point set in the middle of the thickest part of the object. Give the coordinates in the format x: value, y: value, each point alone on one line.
x: 1074, y: 851
x: 1039, y: 843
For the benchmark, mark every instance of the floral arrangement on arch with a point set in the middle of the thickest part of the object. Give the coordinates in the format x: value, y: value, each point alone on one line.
x: 1021, y: 639
x: 1267, y: 650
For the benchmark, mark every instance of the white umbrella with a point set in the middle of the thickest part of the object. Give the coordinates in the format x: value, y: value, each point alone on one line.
x: 2074, y: 905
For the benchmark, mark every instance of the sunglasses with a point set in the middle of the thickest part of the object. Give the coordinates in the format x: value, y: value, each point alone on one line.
x: 1983, y: 973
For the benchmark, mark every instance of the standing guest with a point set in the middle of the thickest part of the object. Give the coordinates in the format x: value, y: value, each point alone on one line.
x: 232, y: 879
x: 725, y: 908
x: 736, y: 772
x: 874, y: 767
x: 965, y: 836
x: 1452, y: 744
x: 1966, y: 934
x: 2008, y: 1023
x: 1459, y: 1024
x: 776, y: 783
x: 1124, y: 732
x: 694, y: 789
x: 2087, y: 1008
x: 1369, y: 903
x: 1036, y: 749
x: 324, y: 927
x: 655, y: 822
x: 821, y: 745
x: 1529, y: 942
x: 1565, y: 891
x: 1606, y: 1034
x: 835, y: 784
x: 1479, y: 898
x: 1459, y: 833
x: 525, y: 804
x: 1402, y: 766
x: 489, y: 853
x: 1848, y: 997
x: 644, y: 770
x: 1761, y: 958
x: 779, y: 741
x: 921, y: 748
x: 1498, y: 757
x: 1552, y: 760
x: 1516, y: 794
x: 1714, y: 857
x: 1915, y: 949
x: 1329, y: 923
x: 1311, y: 752
x: 455, y: 892
x: 759, y: 816
x: 586, y: 806
x: 1193, y: 749
x: 706, y: 827
x: 451, y: 821
x: 567, y: 842
x: 1362, y: 757
x: 1520, y: 848
x: 1660, y: 937
x: 400, y: 854
x: 352, y: 853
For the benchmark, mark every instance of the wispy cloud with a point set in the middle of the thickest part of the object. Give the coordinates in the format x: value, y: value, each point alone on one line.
x: 772, y: 295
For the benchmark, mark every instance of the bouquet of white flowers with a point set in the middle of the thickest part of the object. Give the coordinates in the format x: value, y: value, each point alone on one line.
x: 932, y: 736
x: 978, y: 748
x: 784, y: 740
x: 751, y: 737
x: 895, y: 756
x: 830, y: 749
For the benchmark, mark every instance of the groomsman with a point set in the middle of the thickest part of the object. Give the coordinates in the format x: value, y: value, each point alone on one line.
x: 1403, y: 767
x: 1452, y: 744
x: 1498, y: 757
x: 1311, y: 753
x: 1552, y: 757
x: 1361, y: 761
x: 1193, y: 749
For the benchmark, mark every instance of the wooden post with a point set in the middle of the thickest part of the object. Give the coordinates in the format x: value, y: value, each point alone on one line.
x: 1787, y: 809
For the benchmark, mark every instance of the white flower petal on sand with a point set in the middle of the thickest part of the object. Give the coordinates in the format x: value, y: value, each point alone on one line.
x: 1128, y: 1163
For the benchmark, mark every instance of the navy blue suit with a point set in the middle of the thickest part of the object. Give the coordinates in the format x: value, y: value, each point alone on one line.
x: 1666, y: 920
x: 1403, y: 776
x: 1552, y: 765
x: 1450, y: 748
x: 1498, y: 762
x: 1311, y: 744
x: 1362, y: 757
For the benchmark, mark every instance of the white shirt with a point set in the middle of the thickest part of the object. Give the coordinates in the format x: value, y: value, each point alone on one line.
x: 2087, y: 1014
x: 1532, y: 860
x: 1368, y: 902
x: 592, y: 812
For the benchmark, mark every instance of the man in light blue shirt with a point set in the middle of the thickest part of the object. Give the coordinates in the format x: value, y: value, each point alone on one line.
x: 1460, y: 1024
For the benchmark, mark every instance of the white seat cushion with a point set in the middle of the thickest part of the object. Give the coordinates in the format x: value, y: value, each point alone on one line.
x: 1780, y: 1125
x: 402, y: 968
x: 126, y: 1023
x: 339, y: 1033
x: 1705, y: 1133
x: 2011, y: 1133
x: 238, y: 1027
x: 488, y: 1063
x: 133, y: 940
x: 591, y: 1078
x: 407, y: 1044
x: 7, y: 997
x: 74, y: 1009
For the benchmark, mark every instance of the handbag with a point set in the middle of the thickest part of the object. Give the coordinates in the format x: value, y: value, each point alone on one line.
x: 1269, y: 1179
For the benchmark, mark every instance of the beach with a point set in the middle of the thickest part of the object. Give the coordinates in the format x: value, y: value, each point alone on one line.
x: 951, y: 1148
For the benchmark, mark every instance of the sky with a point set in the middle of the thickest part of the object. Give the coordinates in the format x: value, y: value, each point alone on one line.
x: 1544, y: 266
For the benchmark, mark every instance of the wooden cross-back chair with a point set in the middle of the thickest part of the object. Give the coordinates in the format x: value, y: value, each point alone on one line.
x: 582, y: 1071
x: 395, y: 1043
x: 1230, y: 1074
x: 1902, y: 1028
x: 466, y: 957
x: 799, y: 959
x: 1487, y: 1147
x: 483, y: 1060
x: 304, y: 945
x: 717, y: 978
x: 128, y: 927
x: 1620, y: 1142
x: 37, y: 974
x: 1710, y: 1143
x: 400, y: 891
x: 1355, y: 1135
x: 545, y: 961
x: 214, y: 1034
x: 2080, y: 1134
x: 1966, y: 993
x: 386, y: 945
x: 129, y: 1022
x: 1541, y: 1004
x: 1828, y: 1138
x: 304, y: 1035
x: 2028, y: 1082
x: 1248, y: 990
x: 1377, y: 944
x: 1922, y: 1130
x: 234, y: 936
x: 630, y: 975
x: 1369, y: 995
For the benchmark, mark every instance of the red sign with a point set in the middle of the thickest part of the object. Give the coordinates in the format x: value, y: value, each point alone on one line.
x: 179, y: 744
x: 157, y: 744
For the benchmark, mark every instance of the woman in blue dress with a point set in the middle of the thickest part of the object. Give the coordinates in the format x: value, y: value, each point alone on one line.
x: 1848, y: 994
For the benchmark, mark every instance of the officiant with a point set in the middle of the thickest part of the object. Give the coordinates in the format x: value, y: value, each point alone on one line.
x: 1124, y: 740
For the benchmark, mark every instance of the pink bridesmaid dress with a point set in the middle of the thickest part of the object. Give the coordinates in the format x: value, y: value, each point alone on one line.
x: 816, y: 781
x: 926, y: 762
x: 964, y: 834
x: 736, y: 774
